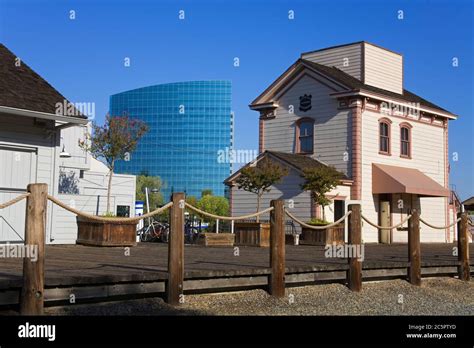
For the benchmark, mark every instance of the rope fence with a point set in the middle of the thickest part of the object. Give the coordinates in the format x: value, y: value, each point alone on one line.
x: 13, y: 201
x: 440, y: 227
x: 228, y: 218
x: 31, y: 296
x: 385, y: 227
x: 108, y: 219
x: 219, y: 217
x: 317, y: 227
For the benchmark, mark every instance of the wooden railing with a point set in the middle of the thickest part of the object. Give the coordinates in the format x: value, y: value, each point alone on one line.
x: 32, y: 293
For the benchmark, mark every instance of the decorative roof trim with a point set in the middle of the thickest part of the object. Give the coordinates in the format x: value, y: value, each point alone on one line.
x: 395, y: 101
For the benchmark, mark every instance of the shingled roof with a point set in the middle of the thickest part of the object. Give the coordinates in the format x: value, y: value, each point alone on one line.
x: 22, y: 88
x: 351, y: 83
x: 298, y: 162
x: 356, y: 84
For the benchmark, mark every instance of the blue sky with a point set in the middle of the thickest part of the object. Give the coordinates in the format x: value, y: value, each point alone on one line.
x: 84, y: 58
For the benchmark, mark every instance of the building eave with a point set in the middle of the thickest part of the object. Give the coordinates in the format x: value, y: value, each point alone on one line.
x: 45, y: 116
x: 274, y: 84
x: 363, y: 93
x: 270, y: 105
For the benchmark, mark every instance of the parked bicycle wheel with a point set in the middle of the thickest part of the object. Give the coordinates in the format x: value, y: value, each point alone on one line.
x: 190, y: 234
x: 155, y: 230
x: 165, y: 233
x: 145, y: 235
x: 151, y: 232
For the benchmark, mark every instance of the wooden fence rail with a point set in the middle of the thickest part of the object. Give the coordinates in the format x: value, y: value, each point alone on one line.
x: 277, y: 248
x: 414, y: 251
x: 32, y: 292
x: 354, y: 274
x: 174, y: 287
x: 463, y: 248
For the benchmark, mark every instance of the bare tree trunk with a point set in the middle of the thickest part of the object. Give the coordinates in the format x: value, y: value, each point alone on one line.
x: 109, y: 186
x: 324, y: 212
x: 258, y: 207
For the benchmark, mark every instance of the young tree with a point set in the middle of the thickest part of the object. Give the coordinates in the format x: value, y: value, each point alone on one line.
x: 318, y: 181
x: 153, y: 183
x: 259, y: 178
x: 194, y: 202
x: 206, y: 192
x: 113, y: 141
x: 216, y: 205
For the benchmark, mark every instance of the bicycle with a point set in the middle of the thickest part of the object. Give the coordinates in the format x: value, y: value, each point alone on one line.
x: 156, y: 231
x: 191, y: 233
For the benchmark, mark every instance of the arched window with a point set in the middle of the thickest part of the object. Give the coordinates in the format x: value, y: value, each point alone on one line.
x: 405, y: 140
x: 305, y: 135
x: 384, y: 136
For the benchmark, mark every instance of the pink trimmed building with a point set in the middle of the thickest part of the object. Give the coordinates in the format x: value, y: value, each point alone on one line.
x: 346, y: 106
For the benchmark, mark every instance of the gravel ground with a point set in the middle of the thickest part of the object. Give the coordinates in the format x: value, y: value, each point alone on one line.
x: 436, y: 296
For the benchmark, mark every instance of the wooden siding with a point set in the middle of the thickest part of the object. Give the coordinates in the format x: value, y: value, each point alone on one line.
x: 338, y: 56
x: 70, y: 139
x: 41, y: 139
x: 383, y: 69
x: 37, y: 146
x: 331, y: 126
x: 244, y: 202
x: 92, y: 199
x: 427, y: 156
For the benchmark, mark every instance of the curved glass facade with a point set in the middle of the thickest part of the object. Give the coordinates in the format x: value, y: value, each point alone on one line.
x: 190, y: 122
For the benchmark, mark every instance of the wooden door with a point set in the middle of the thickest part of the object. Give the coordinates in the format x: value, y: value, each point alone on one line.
x: 17, y: 170
x: 384, y: 219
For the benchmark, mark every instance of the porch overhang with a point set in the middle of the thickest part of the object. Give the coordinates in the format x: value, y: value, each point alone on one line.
x: 393, y: 179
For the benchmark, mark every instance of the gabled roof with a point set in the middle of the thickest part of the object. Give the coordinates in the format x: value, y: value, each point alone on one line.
x: 22, y: 88
x: 297, y: 162
x: 356, y: 84
x: 350, y: 83
x: 469, y: 201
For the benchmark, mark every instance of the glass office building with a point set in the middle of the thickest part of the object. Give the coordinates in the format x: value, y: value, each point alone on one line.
x: 190, y: 123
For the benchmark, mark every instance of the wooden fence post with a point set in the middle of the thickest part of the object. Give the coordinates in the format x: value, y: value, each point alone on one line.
x: 354, y: 274
x: 174, y: 286
x: 414, y: 252
x: 463, y: 248
x: 32, y: 293
x: 277, y: 248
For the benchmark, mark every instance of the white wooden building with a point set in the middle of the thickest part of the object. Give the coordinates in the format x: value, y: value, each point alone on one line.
x: 32, y: 138
x: 346, y: 106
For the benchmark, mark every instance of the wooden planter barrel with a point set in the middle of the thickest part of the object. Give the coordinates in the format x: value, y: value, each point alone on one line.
x: 252, y: 234
x: 328, y: 236
x: 105, y: 233
x: 216, y: 239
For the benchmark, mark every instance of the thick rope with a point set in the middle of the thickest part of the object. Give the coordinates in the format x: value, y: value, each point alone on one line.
x: 13, y: 201
x: 108, y: 219
x: 317, y: 227
x: 440, y: 227
x: 385, y: 227
x: 229, y: 218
